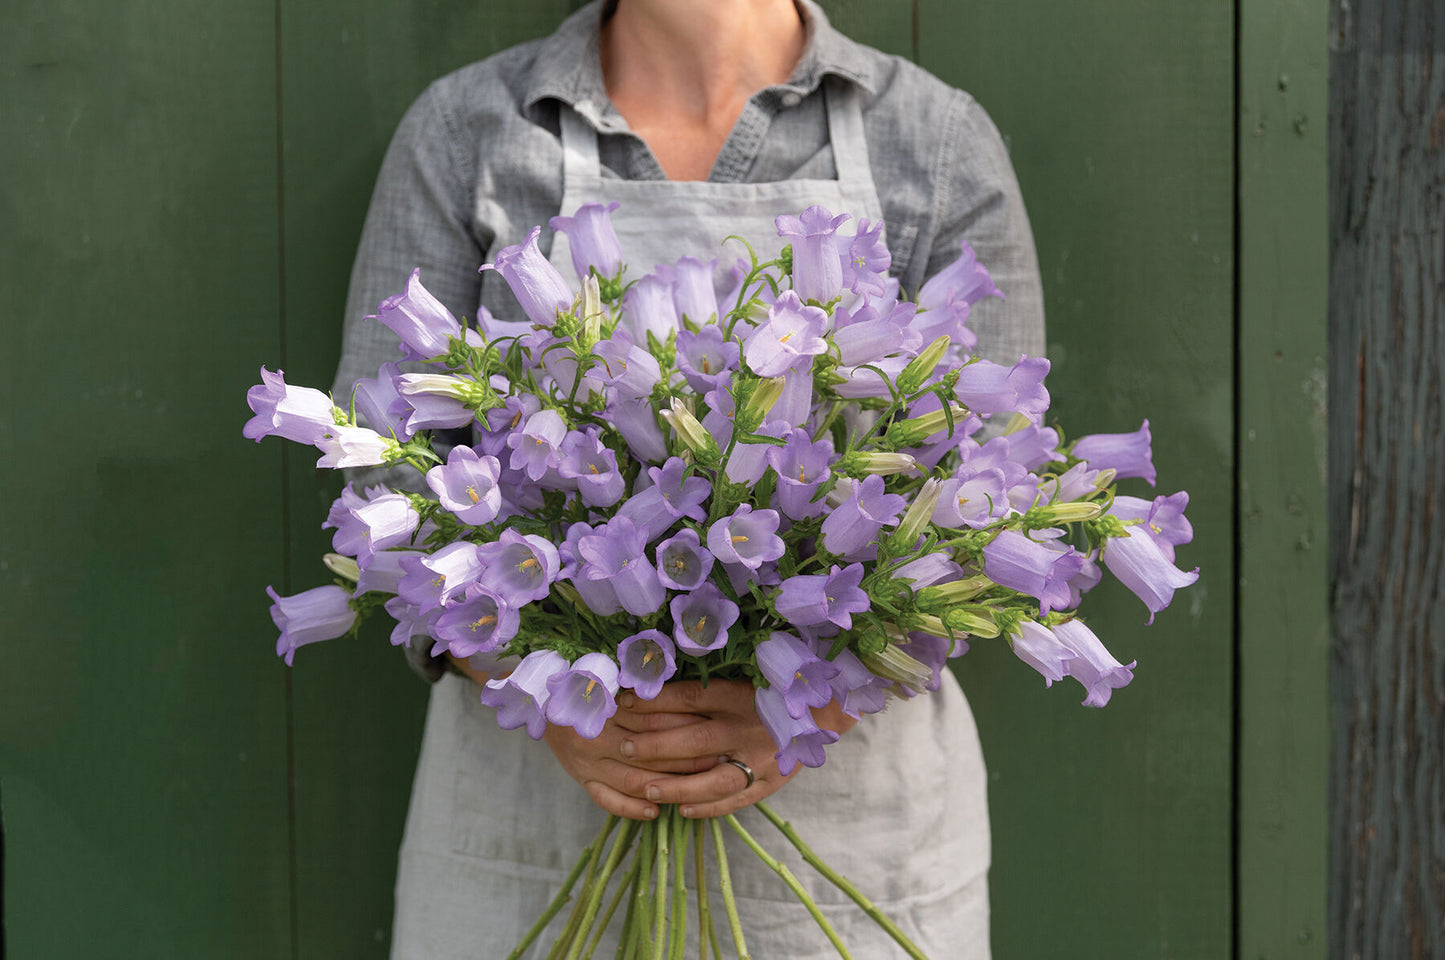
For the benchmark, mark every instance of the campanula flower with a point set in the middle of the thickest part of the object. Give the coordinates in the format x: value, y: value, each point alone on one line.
x: 693, y: 295
x: 850, y: 528
x: 617, y: 552
x: 965, y: 280
x: 988, y: 388
x: 534, y: 447
x: 810, y: 599
x: 597, y: 594
x: 584, y: 695
x: 798, y: 739
x: 683, y: 563
x: 419, y: 320
x: 593, y: 466
x: 1144, y: 560
x: 648, y: 661
x: 591, y: 240
x: 1038, y: 646
x: 520, y: 698
x: 700, y: 619
x: 670, y: 497
x: 480, y: 623
x: 299, y: 414
x: 539, y: 288
x: 817, y: 260
x: 866, y: 260
x: 322, y: 613
x: 1128, y: 454
x: 705, y: 358
x: 801, y: 466
x: 792, y: 336
x: 795, y: 671
x: 355, y: 447
x: 374, y: 400
x: 648, y: 308
x: 1013, y: 560
x: 467, y: 485
x: 1093, y: 665
x: 519, y: 567
x: 747, y: 537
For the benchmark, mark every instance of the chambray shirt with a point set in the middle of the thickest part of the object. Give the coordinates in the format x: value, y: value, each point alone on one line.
x: 477, y: 161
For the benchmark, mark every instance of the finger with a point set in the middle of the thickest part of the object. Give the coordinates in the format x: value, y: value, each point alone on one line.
x: 618, y: 803
x: 635, y: 722
x: 709, y: 739
x: 723, y: 782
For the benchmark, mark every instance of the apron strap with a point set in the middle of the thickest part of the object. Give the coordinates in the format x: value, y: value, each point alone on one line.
x: 845, y: 130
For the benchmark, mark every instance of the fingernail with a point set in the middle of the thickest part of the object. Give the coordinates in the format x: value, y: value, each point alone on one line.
x: 628, y: 748
x: 653, y: 793
x: 626, y: 700
x: 687, y: 812
x: 650, y: 813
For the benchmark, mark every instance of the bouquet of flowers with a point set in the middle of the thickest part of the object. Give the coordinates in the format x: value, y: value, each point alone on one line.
x: 790, y: 485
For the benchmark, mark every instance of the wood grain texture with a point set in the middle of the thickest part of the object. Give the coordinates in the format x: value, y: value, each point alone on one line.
x: 1387, y: 505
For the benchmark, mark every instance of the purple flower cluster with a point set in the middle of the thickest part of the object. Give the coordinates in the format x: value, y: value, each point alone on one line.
x: 781, y: 466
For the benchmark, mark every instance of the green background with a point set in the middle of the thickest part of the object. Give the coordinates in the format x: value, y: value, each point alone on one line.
x: 187, y: 180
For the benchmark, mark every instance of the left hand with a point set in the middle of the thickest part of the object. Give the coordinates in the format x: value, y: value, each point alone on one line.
x: 729, y: 728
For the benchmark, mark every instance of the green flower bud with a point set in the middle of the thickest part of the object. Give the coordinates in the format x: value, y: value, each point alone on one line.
x: 860, y: 463
x: 920, y: 513
x: 910, y: 433
x: 692, y: 433
x: 890, y: 663
x: 753, y: 400
x: 1071, y: 511
x: 921, y: 367
x: 342, y: 565
x: 941, y: 596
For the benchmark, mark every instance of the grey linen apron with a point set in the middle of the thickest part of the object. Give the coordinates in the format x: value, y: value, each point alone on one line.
x: 900, y: 805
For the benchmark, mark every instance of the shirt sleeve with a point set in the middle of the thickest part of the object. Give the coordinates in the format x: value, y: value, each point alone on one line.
x: 978, y: 200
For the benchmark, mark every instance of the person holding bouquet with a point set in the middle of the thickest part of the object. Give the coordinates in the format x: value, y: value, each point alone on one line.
x: 697, y: 120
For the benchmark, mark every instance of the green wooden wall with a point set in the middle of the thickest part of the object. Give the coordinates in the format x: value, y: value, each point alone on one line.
x: 187, y: 180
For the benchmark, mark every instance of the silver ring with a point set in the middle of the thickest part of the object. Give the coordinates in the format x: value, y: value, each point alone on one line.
x: 747, y: 770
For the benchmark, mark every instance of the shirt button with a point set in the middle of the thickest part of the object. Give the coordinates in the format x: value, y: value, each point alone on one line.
x: 792, y: 98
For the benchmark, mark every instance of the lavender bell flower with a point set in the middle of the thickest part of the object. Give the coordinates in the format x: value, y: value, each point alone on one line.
x: 749, y: 461
x: 670, y: 497
x: 420, y: 320
x: 481, y: 623
x: 1014, y: 561
x: 863, y: 335
x: 1037, y: 646
x: 591, y: 240
x: 1034, y: 446
x: 321, y: 613
x: 748, y: 537
x: 383, y: 572
x: 817, y: 262
x: 534, y: 447
x: 637, y: 422
x: 617, y: 552
x: 987, y: 388
x: 794, y: 670
x: 518, y: 567
x: 857, y: 689
x: 597, y: 594
x: 692, y: 289
x: 705, y: 358
x: 520, y: 698
x: 648, y: 660
x: 354, y: 447
x: 834, y: 597
x: 791, y: 337
x: 467, y: 486
x: 850, y: 528
x: 350, y: 535
x: 389, y: 520
x: 964, y: 280
x: 700, y: 619
x: 648, y: 308
x: 975, y: 500
x: 799, y: 739
x: 374, y: 400
x: 584, y: 695
x: 629, y: 371
x: 801, y: 466
x: 1144, y: 560
x: 442, y: 575
x: 593, y: 466
x: 866, y: 261
x: 299, y: 414
x: 682, y: 561
x: 538, y: 287
x: 1093, y: 665
x: 1128, y: 454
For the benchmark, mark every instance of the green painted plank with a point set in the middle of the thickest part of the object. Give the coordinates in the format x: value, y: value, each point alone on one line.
x: 141, y: 734
x: 1283, y: 598
x: 885, y: 24
x: 1112, y: 829
x: 348, y: 72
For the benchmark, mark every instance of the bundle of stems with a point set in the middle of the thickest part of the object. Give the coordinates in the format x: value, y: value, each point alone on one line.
x: 644, y: 868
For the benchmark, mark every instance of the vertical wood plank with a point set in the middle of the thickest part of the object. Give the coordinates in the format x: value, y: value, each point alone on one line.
x: 1283, y: 606
x: 141, y: 711
x: 1112, y: 829
x: 349, y: 71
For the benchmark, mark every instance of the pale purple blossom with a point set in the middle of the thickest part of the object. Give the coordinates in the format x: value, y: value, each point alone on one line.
x: 591, y: 240
x: 705, y: 358
x: 300, y: 414
x: 539, y: 288
x: 467, y: 485
x: 593, y: 466
x: 817, y: 262
x: 964, y: 280
x: 855, y: 523
x: 1128, y: 454
x: 354, y: 447
x: 1093, y: 665
x: 520, y: 698
x: 792, y: 336
x: 988, y: 388
x: 648, y: 660
x: 683, y: 563
x: 794, y: 670
x: 534, y: 447
x: 866, y: 260
x: 801, y: 466
x: 1144, y: 560
x: 518, y: 567
x: 617, y: 552
x: 747, y: 536
x: 420, y: 320
x: 1014, y: 561
x: 480, y: 623
x: 386, y: 521
x: 648, y: 307
x: 810, y: 599
x: 701, y: 618
x: 798, y: 739
x: 584, y: 695
x: 692, y: 289
x: 321, y: 613
x: 629, y: 371
x: 379, y: 406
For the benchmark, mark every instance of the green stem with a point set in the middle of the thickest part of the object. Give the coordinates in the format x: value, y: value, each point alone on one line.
x: 622, y: 889
x: 594, y: 899
x: 725, y: 883
x: 678, y: 934
x: 588, y: 855
x: 842, y: 883
x: 781, y: 869
x: 625, y: 941
x: 705, y: 931
x: 664, y: 846
x: 643, y: 900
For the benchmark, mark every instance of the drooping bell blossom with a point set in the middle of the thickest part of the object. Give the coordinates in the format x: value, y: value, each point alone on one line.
x: 321, y: 613
x: 354, y: 447
x: 965, y: 280
x: 791, y: 337
x: 431, y: 411
x: 495, y: 425
x: 637, y: 422
x: 1143, y: 561
x: 584, y: 695
x: 1033, y: 446
x: 798, y: 739
x: 467, y: 485
x: 794, y: 670
x: 374, y: 399
x: 1163, y: 517
x: 591, y: 240
x: 1037, y: 646
x: 1093, y: 665
x: 437, y: 577
x: 410, y: 619
x: 705, y: 358
x: 866, y: 260
x: 748, y: 537
x: 1076, y: 483
x: 857, y: 689
x: 598, y: 595
x: 520, y: 698
x: 388, y: 520
x: 419, y: 320
x: 693, y: 295
x: 617, y: 552
x: 383, y: 572
x: 864, y: 335
x: 350, y: 535
x: 539, y: 288
x: 586, y: 460
x: 535, y: 447
x: 1014, y: 561
x: 988, y: 388
x: 809, y: 599
x: 480, y: 623
x: 927, y: 570
x: 670, y: 497
x: 518, y: 567
x: 817, y: 261
x: 801, y: 466
x: 701, y: 618
x: 1127, y: 454
x: 300, y: 414
x: 648, y: 660
x: 647, y: 307
x: 850, y: 528
x: 683, y: 563
x: 628, y: 371
x: 932, y: 652
x: 975, y: 501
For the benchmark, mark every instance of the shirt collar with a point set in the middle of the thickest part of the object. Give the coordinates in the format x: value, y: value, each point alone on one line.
x: 568, y: 67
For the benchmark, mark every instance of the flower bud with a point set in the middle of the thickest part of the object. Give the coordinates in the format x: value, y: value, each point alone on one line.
x: 920, y: 512
x: 1073, y: 511
x: 921, y: 367
x: 860, y: 463
x: 913, y: 431
x: 891, y: 663
x: 692, y: 433
x: 940, y: 596
x: 591, y: 329
x: 343, y: 566
x: 756, y: 398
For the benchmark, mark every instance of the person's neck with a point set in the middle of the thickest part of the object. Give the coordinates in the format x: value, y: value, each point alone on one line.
x: 681, y: 71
